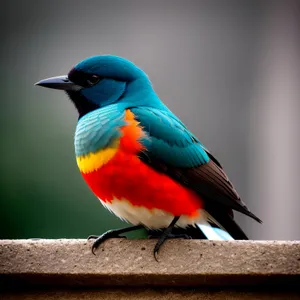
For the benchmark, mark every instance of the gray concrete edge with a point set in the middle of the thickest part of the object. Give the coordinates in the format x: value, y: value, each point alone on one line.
x: 121, y: 262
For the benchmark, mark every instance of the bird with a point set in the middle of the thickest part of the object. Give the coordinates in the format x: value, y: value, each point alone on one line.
x: 140, y: 160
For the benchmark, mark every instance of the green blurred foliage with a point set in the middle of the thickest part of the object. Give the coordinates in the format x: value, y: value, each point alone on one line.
x: 42, y: 193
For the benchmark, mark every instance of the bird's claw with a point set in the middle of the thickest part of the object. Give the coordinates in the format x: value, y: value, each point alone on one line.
x: 155, y: 254
x: 101, y: 238
x: 115, y: 233
x: 166, y: 237
x: 92, y: 237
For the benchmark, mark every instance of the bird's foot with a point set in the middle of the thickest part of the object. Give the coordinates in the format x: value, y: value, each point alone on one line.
x: 115, y: 233
x: 103, y: 237
x: 165, y: 237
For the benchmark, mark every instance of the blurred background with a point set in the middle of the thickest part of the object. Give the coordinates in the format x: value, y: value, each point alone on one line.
x: 229, y: 69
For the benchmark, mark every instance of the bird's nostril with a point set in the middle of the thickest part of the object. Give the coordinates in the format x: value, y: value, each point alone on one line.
x: 66, y: 80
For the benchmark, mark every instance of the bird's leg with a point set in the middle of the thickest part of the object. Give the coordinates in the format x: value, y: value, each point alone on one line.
x: 114, y: 233
x: 165, y: 235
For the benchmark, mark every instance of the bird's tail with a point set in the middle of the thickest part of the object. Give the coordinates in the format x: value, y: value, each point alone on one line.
x: 214, y: 233
x: 213, y: 230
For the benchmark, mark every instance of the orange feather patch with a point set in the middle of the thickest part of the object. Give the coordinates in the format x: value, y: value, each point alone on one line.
x: 132, y: 133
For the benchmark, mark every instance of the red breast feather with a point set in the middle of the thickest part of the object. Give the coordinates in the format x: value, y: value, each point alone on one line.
x: 125, y: 176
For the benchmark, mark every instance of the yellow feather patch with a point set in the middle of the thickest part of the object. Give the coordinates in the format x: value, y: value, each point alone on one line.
x: 93, y: 161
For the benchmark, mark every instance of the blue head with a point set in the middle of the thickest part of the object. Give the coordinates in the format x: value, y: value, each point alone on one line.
x: 102, y: 80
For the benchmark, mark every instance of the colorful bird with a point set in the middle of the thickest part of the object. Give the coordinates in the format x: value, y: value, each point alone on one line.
x: 140, y: 160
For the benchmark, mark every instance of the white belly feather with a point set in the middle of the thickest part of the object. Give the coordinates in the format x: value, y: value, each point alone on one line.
x: 151, y: 218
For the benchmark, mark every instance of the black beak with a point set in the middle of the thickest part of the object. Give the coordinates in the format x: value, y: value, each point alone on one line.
x: 59, y: 83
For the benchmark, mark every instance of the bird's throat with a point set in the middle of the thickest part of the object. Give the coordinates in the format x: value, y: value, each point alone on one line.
x: 82, y: 104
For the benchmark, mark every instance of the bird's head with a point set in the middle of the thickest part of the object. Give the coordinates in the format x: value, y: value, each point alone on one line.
x: 102, y: 80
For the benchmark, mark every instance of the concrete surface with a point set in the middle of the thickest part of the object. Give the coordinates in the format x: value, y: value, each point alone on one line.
x: 121, y: 262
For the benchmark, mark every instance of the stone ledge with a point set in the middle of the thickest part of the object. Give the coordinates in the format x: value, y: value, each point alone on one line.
x: 123, y: 263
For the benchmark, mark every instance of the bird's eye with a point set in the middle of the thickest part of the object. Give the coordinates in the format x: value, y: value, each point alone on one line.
x: 92, y: 80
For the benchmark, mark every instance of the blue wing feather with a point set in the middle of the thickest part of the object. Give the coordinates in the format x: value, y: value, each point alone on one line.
x: 98, y: 128
x: 169, y: 140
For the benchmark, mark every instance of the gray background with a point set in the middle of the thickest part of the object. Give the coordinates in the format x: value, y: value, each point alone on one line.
x: 228, y: 69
